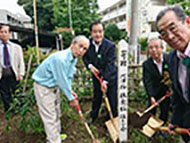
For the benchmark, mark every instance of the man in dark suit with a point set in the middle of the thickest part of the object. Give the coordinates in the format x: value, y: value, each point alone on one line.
x: 174, y: 27
x: 153, y: 69
x: 100, y: 59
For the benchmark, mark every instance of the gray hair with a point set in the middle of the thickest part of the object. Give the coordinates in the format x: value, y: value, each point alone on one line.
x: 155, y: 39
x: 178, y: 10
x: 78, y: 38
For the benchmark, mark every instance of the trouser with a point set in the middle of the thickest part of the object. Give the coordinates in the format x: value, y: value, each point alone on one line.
x: 97, y: 98
x: 8, y: 84
x: 182, y: 141
x: 48, y: 101
x: 164, y: 110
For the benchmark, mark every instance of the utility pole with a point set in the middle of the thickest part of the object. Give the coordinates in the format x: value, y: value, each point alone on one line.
x: 36, y: 32
x: 70, y: 17
x: 134, y: 30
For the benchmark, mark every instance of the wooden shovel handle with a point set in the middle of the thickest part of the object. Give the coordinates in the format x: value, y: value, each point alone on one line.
x: 156, y: 103
x: 83, y: 118
x: 177, y: 130
x: 108, y: 106
x: 105, y: 97
x: 107, y: 102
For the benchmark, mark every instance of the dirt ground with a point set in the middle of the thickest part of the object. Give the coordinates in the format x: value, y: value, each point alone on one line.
x: 74, y: 128
x: 71, y: 125
x: 15, y: 135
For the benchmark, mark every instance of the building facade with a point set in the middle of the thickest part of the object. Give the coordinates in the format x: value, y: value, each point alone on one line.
x: 7, y: 17
x: 148, y: 9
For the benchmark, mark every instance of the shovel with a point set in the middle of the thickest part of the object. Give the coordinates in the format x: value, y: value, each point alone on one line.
x: 112, y: 124
x: 150, y: 129
x: 154, y: 105
x: 134, y: 121
x: 176, y: 130
x: 152, y: 124
x: 143, y: 118
x: 94, y: 140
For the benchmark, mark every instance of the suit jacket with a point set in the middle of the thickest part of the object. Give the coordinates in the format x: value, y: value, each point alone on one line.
x: 103, y: 60
x: 152, y: 79
x: 181, y: 109
x: 17, y: 60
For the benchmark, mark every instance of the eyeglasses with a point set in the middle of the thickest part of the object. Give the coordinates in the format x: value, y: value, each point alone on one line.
x: 154, y: 47
x: 172, y: 28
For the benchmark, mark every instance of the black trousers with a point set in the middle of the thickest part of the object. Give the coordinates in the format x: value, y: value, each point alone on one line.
x: 97, y: 98
x: 7, y: 86
x: 164, y: 109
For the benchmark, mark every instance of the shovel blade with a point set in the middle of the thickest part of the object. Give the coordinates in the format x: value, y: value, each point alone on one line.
x: 113, y: 128
x: 152, y: 123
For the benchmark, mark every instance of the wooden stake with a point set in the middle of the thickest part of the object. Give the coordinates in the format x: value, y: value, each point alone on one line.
x: 36, y: 32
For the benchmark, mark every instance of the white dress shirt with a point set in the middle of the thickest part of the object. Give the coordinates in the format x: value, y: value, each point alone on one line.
x: 159, y: 65
x: 96, y: 46
x: 182, y: 73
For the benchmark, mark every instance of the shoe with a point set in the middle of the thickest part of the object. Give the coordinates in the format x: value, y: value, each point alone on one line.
x: 63, y: 137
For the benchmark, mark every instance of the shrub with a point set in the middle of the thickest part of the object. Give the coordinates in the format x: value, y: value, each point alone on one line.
x: 144, y: 43
x: 112, y: 32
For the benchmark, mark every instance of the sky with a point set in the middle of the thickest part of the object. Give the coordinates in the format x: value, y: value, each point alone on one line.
x: 12, y: 6
x: 106, y: 3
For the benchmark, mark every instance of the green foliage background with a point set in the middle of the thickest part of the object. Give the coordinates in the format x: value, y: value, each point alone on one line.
x: 52, y: 14
x: 184, y: 3
x: 112, y: 32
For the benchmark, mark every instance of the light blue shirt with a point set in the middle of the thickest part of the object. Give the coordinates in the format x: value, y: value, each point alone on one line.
x: 1, y: 52
x: 57, y: 70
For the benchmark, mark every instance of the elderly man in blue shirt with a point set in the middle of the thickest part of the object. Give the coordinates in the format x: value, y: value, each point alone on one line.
x: 56, y: 72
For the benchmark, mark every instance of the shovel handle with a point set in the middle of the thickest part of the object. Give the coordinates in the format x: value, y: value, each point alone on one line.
x: 83, y: 118
x: 163, y: 98
x: 108, y: 106
x: 177, y: 130
x: 156, y: 103
x: 100, y: 79
x: 75, y: 96
x: 86, y: 125
x: 105, y: 97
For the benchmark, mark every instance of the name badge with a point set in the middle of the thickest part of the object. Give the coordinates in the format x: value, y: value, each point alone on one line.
x: 99, y: 56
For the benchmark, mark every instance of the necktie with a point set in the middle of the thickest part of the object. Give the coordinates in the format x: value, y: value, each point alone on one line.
x: 186, y: 62
x: 6, y: 55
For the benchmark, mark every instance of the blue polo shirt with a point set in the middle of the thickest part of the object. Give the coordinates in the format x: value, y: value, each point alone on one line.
x: 57, y: 70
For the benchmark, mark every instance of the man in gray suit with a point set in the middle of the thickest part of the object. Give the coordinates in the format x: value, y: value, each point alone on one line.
x: 12, y: 66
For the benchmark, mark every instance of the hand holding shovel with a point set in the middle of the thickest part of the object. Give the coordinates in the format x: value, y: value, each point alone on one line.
x: 154, y: 105
x: 112, y: 124
x: 84, y: 121
x: 177, y: 130
x: 156, y: 125
x: 74, y: 103
x: 142, y: 118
